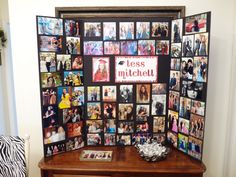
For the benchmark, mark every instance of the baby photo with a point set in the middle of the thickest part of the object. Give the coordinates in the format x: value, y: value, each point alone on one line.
x: 125, y: 93
x: 63, y: 62
x: 142, y: 30
x: 47, y: 62
x: 94, y: 110
x: 160, y: 29
x: 142, y: 112
x: 158, y: 104
x: 159, y: 124
x: 126, y: 30
x: 93, y: 93
x: 109, y: 93
x: 109, y: 110
x: 125, y: 112
x: 92, y: 29
x: 109, y: 31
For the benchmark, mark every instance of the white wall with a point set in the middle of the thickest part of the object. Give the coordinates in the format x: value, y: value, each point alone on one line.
x: 25, y: 65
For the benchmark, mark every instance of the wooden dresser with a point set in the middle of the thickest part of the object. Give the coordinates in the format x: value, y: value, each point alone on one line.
x: 125, y: 163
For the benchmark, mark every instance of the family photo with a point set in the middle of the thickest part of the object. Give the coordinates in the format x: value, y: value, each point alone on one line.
x: 73, y: 45
x: 201, y: 44
x: 63, y: 62
x: 183, y: 143
x: 72, y: 28
x: 160, y: 29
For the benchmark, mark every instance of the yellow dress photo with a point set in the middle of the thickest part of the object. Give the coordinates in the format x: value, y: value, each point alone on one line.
x: 65, y: 101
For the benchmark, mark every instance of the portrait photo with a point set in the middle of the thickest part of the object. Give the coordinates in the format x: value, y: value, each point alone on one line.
x: 177, y: 31
x: 146, y: 47
x: 200, y: 69
x: 159, y: 124
x: 185, y: 107
x: 92, y: 29
x: 173, y: 121
x: 77, y: 62
x: 160, y: 29
x: 158, y: 89
x: 142, y: 30
x: 197, y: 126
x: 198, y: 107
x: 94, y: 110
x: 101, y: 69
x: 109, y: 93
x: 174, y: 83
x: 50, y: 44
x: 93, y: 48
x: 125, y: 93
x: 111, y: 48
x: 110, y: 126
x: 51, y: 79
x: 158, y: 104
x: 126, y: 30
x: 93, y: 93
x: 109, y: 110
x: 196, y: 24
x: 72, y: 28
x: 201, y: 44
x: 64, y: 97
x: 125, y: 127
x: 129, y: 47
x: 126, y: 112
x: 73, y: 78
x: 162, y: 47
x: 142, y: 112
x: 109, y: 31
x: 173, y: 101
x: 143, y: 92
x: 187, y: 46
x: 73, y: 45
x: 187, y: 68
x: 63, y: 62
x: 183, y: 126
x: 47, y: 62
x: 183, y: 143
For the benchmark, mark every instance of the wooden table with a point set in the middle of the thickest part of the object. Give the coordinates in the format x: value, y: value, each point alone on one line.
x: 125, y: 163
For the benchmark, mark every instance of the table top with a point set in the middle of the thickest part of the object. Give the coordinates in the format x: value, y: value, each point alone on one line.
x: 125, y: 159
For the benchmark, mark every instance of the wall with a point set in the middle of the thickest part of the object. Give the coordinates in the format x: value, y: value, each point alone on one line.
x: 25, y: 65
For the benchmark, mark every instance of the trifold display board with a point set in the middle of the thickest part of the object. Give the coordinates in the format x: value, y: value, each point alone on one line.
x: 120, y: 81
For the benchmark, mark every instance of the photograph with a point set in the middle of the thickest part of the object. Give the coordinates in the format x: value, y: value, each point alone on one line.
x: 77, y: 98
x: 160, y: 138
x: 93, y: 93
x: 51, y: 80
x: 74, y: 143
x: 129, y: 47
x: 175, y: 64
x: 185, y: 107
x: 146, y: 47
x: 177, y: 31
x: 54, y: 134
x: 125, y: 127
x: 54, y: 149
x: 196, y: 24
x: 198, y: 107
x: 195, y: 147
x: 143, y: 92
x: 158, y: 104
x: 200, y: 69
x: 183, y: 143
x: 173, y: 121
x: 64, y: 97
x: 47, y: 62
x: 109, y: 93
x: 109, y: 139
x: 92, y: 29
x: 187, y: 46
x: 187, y: 68
x: 50, y: 26
x: 160, y: 29
x: 175, y: 50
x: 111, y: 48
x: 201, y: 44
x: 49, y: 96
x: 93, y: 48
x: 126, y: 112
x: 126, y: 30
x: 74, y: 129
x: 110, y: 126
x: 142, y: 128
x: 142, y: 112
x: 73, y: 45
x: 162, y: 47
x: 193, y: 90
x: 91, y: 155
x: 50, y: 117
x: 140, y: 138
x: 183, y: 126
x: 94, y: 126
x: 101, y: 69
x: 159, y: 124
x: 125, y: 94
x: 72, y: 28
x: 73, y: 78
x: 197, y: 126
x: 94, y: 110
x: 77, y: 62
x: 174, y: 83
x: 94, y: 139
x: 159, y: 89
x: 63, y: 62
x: 123, y: 140
x: 109, y: 31
x: 142, y: 30
x: 109, y: 110
x: 173, y: 101
x: 172, y: 138
x: 72, y: 115
x: 50, y: 44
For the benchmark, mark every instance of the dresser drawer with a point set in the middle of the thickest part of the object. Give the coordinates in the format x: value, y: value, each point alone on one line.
x: 62, y: 175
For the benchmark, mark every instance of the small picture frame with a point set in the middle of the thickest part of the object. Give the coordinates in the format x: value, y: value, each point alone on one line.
x: 91, y: 155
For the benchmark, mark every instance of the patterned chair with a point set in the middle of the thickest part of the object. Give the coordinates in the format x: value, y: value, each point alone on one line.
x: 12, y: 157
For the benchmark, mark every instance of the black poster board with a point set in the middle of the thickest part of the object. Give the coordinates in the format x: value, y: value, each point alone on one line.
x: 104, y: 81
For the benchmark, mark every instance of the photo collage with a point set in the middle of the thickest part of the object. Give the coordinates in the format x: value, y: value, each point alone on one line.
x: 188, y: 83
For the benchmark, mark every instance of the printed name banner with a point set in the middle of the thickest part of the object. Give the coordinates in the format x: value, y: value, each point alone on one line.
x: 136, y: 69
